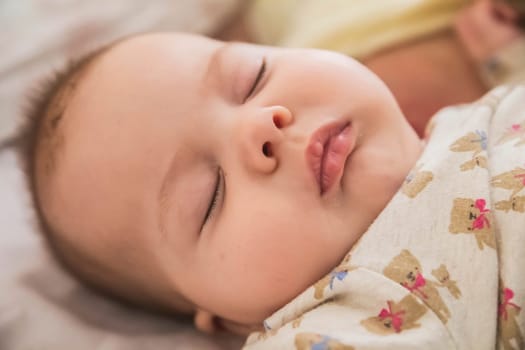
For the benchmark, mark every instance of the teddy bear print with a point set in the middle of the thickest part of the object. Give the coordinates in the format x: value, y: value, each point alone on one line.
x: 513, y: 180
x: 337, y: 274
x: 314, y: 341
x: 471, y: 216
x: 443, y: 277
x: 416, y: 181
x: 510, y: 335
x: 515, y: 203
x: 405, y: 269
x: 396, y: 317
x: 477, y: 161
x: 474, y: 142
x: 516, y: 132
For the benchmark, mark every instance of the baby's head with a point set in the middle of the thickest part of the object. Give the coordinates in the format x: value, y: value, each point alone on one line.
x: 211, y: 178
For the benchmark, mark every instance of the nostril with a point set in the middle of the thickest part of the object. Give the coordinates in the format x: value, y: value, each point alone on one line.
x: 267, y: 149
x: 277, y: 122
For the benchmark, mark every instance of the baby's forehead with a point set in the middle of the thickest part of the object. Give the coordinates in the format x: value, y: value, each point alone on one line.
x: 143, y: 73
x: 145, y: 51
x: 152, y: 61
x: 138, y: 82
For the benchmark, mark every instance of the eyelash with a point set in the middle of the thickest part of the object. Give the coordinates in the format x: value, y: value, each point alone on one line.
x: 259, y: 77
x: 215, y: 197
x: 217, y: 191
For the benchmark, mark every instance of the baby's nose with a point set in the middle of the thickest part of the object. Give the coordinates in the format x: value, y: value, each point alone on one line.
x: 262, y: 137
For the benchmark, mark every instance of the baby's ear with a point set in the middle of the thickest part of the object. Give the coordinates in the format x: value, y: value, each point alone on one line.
x: 205, y: 321
x: 209, y: 323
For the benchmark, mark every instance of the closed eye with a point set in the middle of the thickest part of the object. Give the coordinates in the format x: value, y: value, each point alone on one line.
x: 217, y: 192
x: 259, y: 77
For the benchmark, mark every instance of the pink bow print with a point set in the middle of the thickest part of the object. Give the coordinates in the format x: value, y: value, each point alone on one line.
x: 419, y: 282
x: 508, y: 294
x: 397, y: 321
x: 481, y: 220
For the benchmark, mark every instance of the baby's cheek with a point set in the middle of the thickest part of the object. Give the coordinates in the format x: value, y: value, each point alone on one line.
x: 273, y: 266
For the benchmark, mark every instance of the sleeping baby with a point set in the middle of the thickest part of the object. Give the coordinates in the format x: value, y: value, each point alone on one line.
x: 281, y: 193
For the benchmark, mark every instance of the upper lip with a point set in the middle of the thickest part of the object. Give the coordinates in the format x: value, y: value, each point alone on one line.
x: 317, y: 148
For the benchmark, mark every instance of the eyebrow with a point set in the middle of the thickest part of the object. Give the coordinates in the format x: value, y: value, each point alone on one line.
x: 163, y: 194
x: 215, y: 60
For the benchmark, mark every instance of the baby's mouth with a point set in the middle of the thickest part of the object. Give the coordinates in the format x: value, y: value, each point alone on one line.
x: 327, y: 151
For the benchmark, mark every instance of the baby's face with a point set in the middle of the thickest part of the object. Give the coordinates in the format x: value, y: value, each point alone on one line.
x: 187, y: 159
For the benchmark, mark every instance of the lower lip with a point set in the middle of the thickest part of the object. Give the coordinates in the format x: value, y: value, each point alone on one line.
x: 328, y: 167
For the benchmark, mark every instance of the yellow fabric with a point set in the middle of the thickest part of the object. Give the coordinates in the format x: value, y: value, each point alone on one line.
x: 354, y: 27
